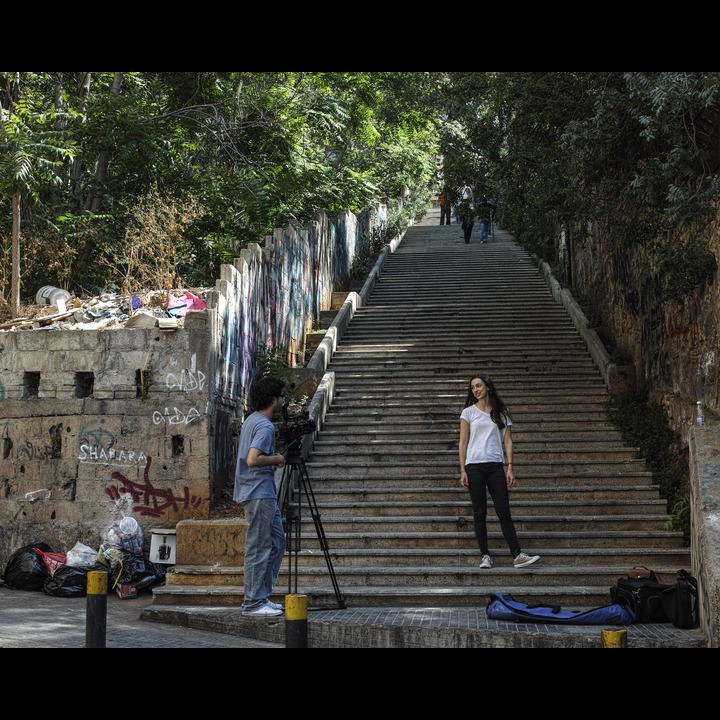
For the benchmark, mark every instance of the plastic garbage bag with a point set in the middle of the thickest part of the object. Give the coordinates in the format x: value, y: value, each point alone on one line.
x: 66, y: 581
x: 81, y: 555
x: 25, y: 569
x: 52, y: 560
x: 126, y: 535
x: 124, y: 567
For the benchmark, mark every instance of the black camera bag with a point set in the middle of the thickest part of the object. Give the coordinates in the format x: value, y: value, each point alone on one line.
x: 643, y: 596
x: 680, y: 601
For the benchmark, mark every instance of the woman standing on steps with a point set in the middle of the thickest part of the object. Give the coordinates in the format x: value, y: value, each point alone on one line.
x: 485, y: 441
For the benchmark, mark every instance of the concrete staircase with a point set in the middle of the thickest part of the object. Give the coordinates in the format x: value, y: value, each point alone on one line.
x: 384, y: 468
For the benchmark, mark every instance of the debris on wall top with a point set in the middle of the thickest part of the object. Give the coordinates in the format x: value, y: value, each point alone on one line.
x: 156, y: 308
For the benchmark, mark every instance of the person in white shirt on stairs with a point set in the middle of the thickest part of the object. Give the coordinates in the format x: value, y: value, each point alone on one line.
x: 485, y: 443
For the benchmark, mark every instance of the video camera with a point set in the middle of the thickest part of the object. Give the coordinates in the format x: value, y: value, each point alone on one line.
x: 294, y: 428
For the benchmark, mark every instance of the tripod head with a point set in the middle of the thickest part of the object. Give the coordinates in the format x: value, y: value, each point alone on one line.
x: 293, y: 451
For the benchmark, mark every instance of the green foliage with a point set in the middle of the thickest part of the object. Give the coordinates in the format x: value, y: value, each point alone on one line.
x: 272, y: 360
x: 414, y: 208
x: 683, y: 266
x: 644, y: 425
x: 680, y: 517
x: 256, y: 150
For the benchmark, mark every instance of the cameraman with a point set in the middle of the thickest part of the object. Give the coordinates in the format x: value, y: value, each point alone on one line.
x: 255, y: 489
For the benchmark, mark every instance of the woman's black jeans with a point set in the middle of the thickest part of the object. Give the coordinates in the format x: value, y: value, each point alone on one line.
x: 484, y: 478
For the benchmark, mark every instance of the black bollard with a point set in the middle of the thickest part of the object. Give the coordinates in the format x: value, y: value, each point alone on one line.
x: 296, y: 621
x: 96, y: 610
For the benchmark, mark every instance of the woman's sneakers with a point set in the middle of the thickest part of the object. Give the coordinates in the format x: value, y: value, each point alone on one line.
x: 523, y: 560
x: 486, y: 562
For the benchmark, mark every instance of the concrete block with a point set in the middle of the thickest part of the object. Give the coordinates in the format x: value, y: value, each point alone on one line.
x: 211, y: 542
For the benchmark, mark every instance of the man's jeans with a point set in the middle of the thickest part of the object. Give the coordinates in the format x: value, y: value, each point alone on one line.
x: 484, y: 229
x: 264, y: 549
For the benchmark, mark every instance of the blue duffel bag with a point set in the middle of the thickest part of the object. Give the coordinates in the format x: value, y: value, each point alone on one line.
x: 504, y: 607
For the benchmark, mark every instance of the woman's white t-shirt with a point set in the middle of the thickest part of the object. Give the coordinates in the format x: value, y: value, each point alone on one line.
x: 485, y: 441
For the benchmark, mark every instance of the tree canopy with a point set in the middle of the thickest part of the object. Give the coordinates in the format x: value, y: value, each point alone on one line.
x: 102, y: 161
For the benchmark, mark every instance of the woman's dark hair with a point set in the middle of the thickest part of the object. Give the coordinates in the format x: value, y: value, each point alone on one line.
x: 498, y: 411
x: 264, y: 391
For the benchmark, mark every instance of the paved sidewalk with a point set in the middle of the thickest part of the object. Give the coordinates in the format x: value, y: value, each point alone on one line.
x: 33, y: 619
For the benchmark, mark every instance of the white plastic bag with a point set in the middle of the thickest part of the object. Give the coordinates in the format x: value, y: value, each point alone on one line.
x: 81, y: 556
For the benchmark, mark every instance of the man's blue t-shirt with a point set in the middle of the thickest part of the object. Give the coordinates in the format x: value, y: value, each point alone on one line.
x: 257, y: 482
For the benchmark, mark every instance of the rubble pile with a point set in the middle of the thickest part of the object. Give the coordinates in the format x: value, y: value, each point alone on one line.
x: 156, y: 308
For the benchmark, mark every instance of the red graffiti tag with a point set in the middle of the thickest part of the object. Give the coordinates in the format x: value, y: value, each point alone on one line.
x: 149, y: 501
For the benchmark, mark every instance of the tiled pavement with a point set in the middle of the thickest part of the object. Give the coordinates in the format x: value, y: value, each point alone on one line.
x: 411, y: 627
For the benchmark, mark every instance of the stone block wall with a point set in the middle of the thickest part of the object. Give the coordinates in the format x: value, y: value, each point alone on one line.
x: 93, y: 445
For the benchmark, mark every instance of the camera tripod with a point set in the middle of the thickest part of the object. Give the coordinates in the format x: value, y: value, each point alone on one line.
x: 295, y: 483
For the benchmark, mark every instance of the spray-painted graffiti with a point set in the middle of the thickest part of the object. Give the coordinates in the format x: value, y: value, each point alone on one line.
x: 177, y: 417
x: 29, y: 451
x: 96, y: 436
x: 224, y: 449
x: 97, y: 445
x: 34, y: 495
x: 186, y: 380
x: 110, y: 456
x: 149, y: 501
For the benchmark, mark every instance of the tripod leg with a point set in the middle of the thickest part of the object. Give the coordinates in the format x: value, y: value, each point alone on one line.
x: 290, y: 509
x: 312, y: 504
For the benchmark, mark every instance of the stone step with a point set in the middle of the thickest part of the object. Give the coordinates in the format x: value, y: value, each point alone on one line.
x: 460, y: 507
x: 398, y: 404
x: 536, y: 540
x: 428, y: 575
x: 372, y: 395
x: 437, y: 364
x: 455, y: 389
x: 386, y: 492
x: 377, y: 465
x: 663, y: 561
x: 514, y: 355
x: 574, y: 597
x: 519, y: 340
x: 356, y: 446
x: 571, y: 419
x: 361, y: 476
x: 524, y: 522
x: 438, y: 432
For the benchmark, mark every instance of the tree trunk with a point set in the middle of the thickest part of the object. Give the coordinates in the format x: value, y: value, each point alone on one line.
x: 15, y: 299
x: 104, y: 158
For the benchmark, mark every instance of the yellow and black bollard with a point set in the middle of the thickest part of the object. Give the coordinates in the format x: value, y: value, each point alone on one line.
x: 96, y: 609
x: 296, y: 621
x: 614, y: 638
